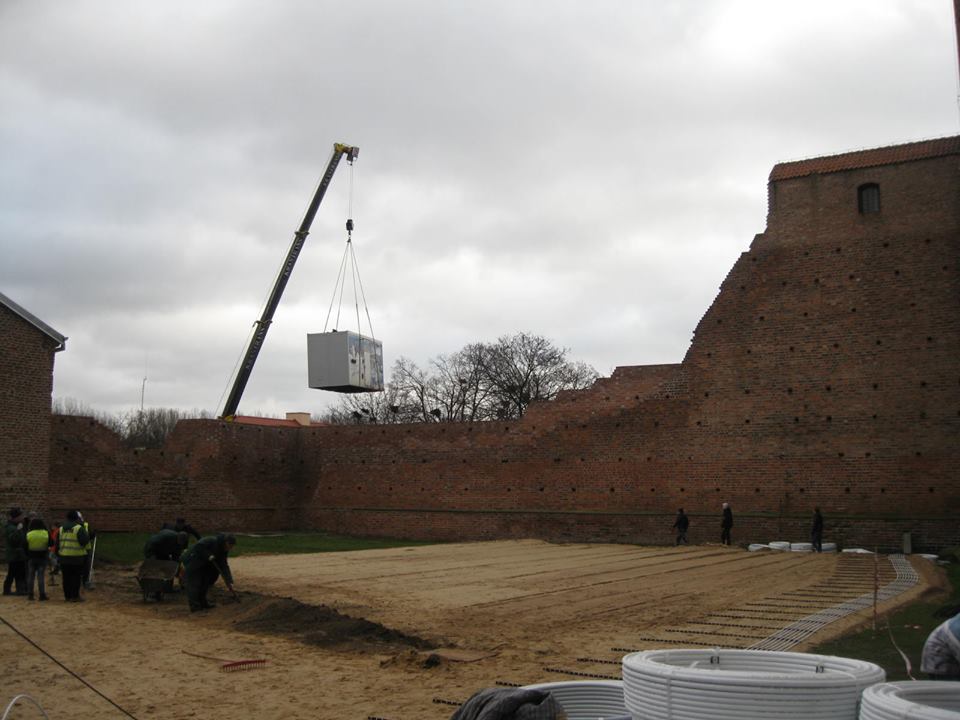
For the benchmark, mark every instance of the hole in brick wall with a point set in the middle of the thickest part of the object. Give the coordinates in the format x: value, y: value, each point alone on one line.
x: 556, y: 459
x: 836, y: 345
x: 649, y: 458
x: 423, y: 489
x: 394, y: 462
x: 853, y: 310
x: 717, y: 489
x: 424, y: 461
x: 541, y: 488
x: 846, y: 490
x: 698, y: 423
x: 606, y: 397
x: 762, y: 318
x: 506, y: 428
x: 743, y: 287
x: 719, y: 321
x: 652, y: 490
x: 746, y: 391
x: 709, y: 355
x: 753, y: 259
x: 611, y: 490
x: 944, y: 267
x: 636, y: 397
x: 706, y: 394
x: 867, y: 454
x: 504, y: 460
x: 829, y: 418
x: 874, y: 417
x: 573, y: 489
x: 791, y: 348
x: 851, y: 277
x: 839, y: 454
x: 828, y: 388
x: 583, y: 426
x: 146, y: 481
x: 806, y: 253
x: 789, y: 391
x: 469, y: 429
x: 918, y: 453
x: 805, y: 314
x: 896, y: 272
x: 784, y: 283
x: 816, y: 281
x: 749, y: 351
x: 619, y: 459
x: 886, y: 244
x: 667, y: 396
x: 882, y: 490
x: 930, y: 489
x: 801, y: 491
x: 929, y: 339
x: 876, y: 386
x: 617, y: 425
x: 747, y: 421
x: 509, y: 489
x: 796, y: 419
x: 656, y: 423
x: 757, y: 490
x: 837, y: 250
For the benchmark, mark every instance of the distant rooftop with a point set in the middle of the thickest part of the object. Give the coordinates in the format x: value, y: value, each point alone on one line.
x: 873, y: 157
x: 293, y: 420
x: 39, y: 324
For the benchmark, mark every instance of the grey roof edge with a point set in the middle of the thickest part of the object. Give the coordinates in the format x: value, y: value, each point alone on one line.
x: 59, y: 338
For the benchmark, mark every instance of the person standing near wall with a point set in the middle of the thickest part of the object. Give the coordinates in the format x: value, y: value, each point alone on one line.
x: 16, y: 581
x: 681, y: 524
x: 726, y: 524
x: 816, y: 531
x: 71, y: 539
x: 181, y: 525
x: 88, y: 553
x: 38, y: 547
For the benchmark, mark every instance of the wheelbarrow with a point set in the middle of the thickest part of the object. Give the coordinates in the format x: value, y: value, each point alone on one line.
x: 156, y: 577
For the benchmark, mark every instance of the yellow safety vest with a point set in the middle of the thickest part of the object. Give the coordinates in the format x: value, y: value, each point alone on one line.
x: 69, y: 542
x: 38, y: 540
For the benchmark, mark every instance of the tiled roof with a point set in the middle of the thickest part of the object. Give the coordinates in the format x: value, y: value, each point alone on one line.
x: 39, y: 324
x: 271, y: 422
x: 867, y: 158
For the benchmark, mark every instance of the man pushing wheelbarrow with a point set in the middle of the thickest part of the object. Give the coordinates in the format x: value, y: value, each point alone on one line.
x: 203, y: 564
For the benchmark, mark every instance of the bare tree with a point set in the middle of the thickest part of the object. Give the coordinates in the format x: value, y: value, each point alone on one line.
x: 482, y: 381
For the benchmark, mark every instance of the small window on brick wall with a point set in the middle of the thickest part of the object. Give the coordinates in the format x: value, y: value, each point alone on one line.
x: 868, y: 198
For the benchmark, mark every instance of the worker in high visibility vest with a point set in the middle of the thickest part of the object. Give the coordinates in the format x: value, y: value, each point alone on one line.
x: 38, y: 546
x: 70, y: 551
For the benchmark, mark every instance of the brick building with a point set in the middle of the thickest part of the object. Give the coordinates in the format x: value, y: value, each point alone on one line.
x: 26, y: 385
x: 826, y: 372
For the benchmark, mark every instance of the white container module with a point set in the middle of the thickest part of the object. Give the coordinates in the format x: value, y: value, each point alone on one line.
x: 343, y: 361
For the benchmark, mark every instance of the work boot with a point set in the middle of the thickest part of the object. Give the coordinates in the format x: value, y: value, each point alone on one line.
x: 30, y: 597
x: 44, y: 597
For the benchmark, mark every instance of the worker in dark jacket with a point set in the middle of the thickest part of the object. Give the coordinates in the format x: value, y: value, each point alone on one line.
x: 203, y: 564
x: 165, y: 545
x: 681, y: 524
x: 182, y: 525
x: 16, y: 538
x: 72, y: 540
x: 726, y: 524
x: 816, y: 531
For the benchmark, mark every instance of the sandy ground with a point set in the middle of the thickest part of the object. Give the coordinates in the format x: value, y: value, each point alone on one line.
x: 389, y: 633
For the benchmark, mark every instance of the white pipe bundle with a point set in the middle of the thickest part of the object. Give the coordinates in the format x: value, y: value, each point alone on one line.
x: 744, y: 685
x: 587, y: 700
x: 919, y: 700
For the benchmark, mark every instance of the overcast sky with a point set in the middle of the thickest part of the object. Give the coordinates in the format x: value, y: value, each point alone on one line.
x: 586, y: 171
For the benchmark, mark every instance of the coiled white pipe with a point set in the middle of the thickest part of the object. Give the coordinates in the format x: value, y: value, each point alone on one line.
x: 920, y: 700
x: 587, y: 700
x: 17, y: 699
x: 744, y: 685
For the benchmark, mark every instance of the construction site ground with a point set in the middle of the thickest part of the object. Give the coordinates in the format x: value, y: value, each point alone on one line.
x: 402, y: 634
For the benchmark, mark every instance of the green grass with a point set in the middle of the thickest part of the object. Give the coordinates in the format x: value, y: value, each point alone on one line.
x: 127, y: 548
x: 909, y: 627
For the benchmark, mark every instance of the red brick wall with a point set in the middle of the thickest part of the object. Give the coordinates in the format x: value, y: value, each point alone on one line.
x: 825, y: 373
x: 26, y: 384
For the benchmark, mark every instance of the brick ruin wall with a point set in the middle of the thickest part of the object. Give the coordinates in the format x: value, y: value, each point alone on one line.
x: 825, y: 373
x: 26, y: 384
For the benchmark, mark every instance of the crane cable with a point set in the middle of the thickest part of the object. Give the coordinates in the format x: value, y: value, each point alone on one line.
x: 354, y: 270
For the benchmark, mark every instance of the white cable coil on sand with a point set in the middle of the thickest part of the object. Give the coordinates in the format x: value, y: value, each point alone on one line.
x: 917, y: 700
x: 779, y: 545
x: 744, y: 685
x: 801, y: 547
x: 587, y: 700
